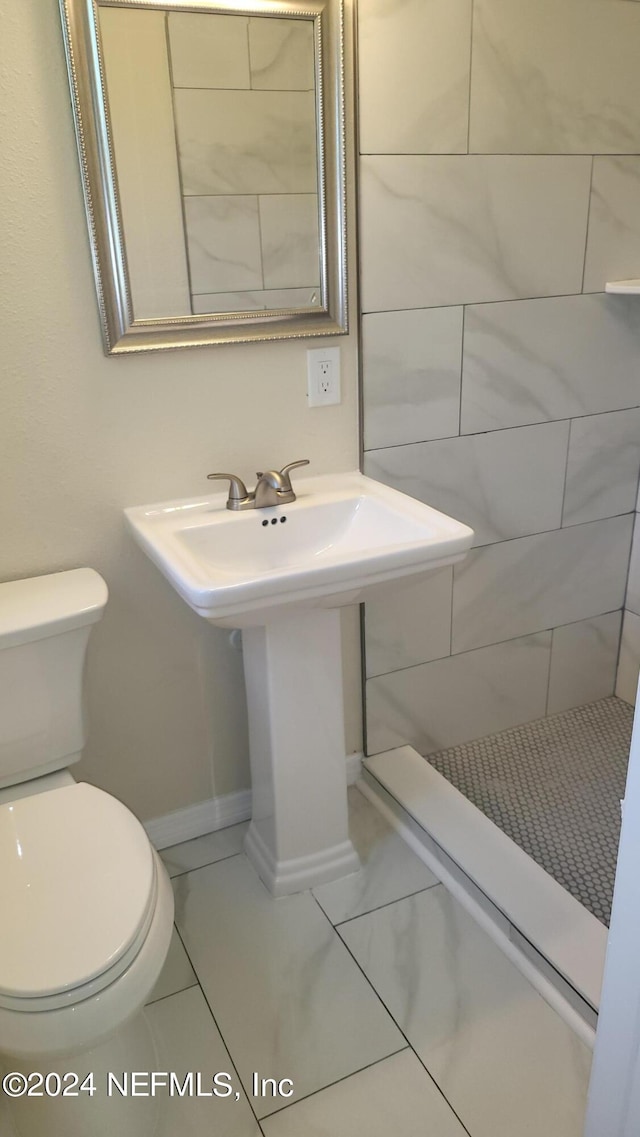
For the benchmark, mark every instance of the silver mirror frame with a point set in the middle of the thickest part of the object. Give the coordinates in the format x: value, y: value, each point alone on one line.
x: 121, y: 332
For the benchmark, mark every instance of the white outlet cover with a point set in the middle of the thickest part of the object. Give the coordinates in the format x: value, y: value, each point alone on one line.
x: 323, y: 363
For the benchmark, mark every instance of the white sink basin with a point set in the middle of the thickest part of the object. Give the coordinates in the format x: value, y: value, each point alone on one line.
x: 281, y: 574
x: 344, y: 535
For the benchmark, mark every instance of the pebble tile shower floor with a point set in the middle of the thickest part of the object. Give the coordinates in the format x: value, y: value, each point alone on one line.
x: 554, y: 786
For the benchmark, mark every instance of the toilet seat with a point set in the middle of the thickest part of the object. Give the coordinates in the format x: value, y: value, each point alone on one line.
x: 79, y: 877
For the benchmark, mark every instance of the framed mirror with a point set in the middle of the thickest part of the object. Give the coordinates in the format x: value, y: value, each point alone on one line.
x: 211, y: 138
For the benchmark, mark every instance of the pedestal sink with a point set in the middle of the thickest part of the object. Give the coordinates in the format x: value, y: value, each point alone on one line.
x: 281, y: 574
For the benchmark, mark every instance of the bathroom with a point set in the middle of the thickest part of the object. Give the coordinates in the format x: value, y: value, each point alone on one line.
x: 534, y: 181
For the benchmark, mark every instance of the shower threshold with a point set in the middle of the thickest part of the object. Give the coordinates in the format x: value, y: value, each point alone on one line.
x: 535, y: 918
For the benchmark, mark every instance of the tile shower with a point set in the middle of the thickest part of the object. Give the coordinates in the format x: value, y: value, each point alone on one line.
x: 499, y: 191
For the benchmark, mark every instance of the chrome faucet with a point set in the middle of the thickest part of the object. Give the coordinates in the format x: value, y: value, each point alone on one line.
x: 272, y: 488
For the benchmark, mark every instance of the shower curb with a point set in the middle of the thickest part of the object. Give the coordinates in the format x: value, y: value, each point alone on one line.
x: 557, y: 943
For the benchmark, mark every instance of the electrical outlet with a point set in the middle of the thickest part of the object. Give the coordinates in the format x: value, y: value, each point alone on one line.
x: 323, y: 376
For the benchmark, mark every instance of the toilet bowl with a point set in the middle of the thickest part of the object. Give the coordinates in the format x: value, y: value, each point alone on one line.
x: 87, y: 907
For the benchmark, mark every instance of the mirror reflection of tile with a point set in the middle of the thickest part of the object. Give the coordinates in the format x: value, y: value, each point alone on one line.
x: 244, y: 104
x: 214, y: 129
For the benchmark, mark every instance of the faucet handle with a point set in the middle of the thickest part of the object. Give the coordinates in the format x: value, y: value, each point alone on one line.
x: 237, y: 489
x: 291, y: 466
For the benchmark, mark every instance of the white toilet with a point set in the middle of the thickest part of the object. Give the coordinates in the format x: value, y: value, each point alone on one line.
x: 85, y: 903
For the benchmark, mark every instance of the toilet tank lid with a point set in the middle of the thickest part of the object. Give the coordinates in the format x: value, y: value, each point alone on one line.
x: 43, y: 606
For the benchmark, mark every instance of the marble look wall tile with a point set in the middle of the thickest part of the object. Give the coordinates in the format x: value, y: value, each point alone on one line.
x: 540, y: 582
x: 629, y: 661
x: 290, y: 244
x: 409, y: 623
x: 503, y: 484
x: 603, y: 465
x: 613, y: 241
x: 256, y: 301
x: 632, y: 600
x: 427, y: 112
x: 555, y: 78
x: 455, y: 230
x: 505, y: 1060
x: 223, y: 243
x: 395, y: 1096
x: 460, y: 698
x: 314, y: 1018
x: 246, y: 142
x: 584, y: 657
x: 208, y: 50
x: 282, y: 54
x: 411, y: 375
x: 548, y: 359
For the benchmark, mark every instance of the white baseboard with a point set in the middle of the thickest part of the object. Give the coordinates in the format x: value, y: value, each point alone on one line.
x: 215, y: 813
x: 196, y: 820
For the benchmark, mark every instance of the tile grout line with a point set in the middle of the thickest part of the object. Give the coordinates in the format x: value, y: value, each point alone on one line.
x: 283, y: 193
x: 307, y: 90
x: 586, y: 232
x: 392, y: 1017
x: 176, y: 143
x: 499, y: 429
x: 313, y: 1093
x: 462, y: 331
x: 496, y: 643
x: 526, y: 299
x: 566, y: 475
x: 179, y: 990
x: 623, y: 613
x: 548, y: 690
x: 542, y: 720
x: 471, y: 31
x: 626, y: 596
x: 170, y: 994
x: 207, y: 864
x: 477, y: 153
x: 224, y: 1041
x: 249, y: 63
x: 451, y: 613
x: 336, y: 1082
x: 380, y: 907
x: 562, y: 526
x: 217, y: 1026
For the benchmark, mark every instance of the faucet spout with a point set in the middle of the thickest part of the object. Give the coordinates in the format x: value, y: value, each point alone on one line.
x: 272, y: 488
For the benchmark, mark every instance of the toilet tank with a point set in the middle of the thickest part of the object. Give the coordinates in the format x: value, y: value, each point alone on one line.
x: 45, y: 624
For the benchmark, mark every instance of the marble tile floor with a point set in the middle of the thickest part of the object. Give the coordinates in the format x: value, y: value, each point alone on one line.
x: 377, y: 995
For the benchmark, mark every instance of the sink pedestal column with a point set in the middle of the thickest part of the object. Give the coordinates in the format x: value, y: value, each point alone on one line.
x: 299, y: 833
